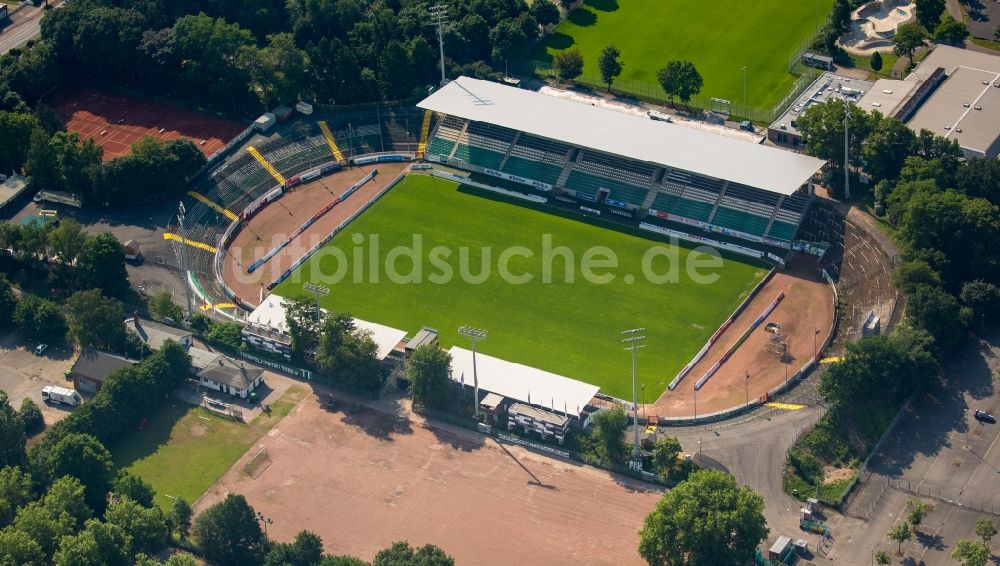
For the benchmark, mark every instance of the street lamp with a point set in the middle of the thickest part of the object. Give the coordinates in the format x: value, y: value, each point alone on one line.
x: 816, y: 345
x: 265, y: 521
x: 745, y: 93
x: 474, y: 334
x: 633, y: 340
x: 695, y: 406
x: 318, y: 290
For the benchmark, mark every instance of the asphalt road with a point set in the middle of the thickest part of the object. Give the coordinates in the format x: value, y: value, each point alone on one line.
x: 24, y: 24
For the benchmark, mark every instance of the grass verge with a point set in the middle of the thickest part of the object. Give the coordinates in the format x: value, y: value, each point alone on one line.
x: 184, y: 449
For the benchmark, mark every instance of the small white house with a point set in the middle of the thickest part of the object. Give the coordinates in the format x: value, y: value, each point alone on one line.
x: 226, y: 376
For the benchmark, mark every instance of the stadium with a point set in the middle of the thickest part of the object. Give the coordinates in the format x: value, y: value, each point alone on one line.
x: 274, y: 219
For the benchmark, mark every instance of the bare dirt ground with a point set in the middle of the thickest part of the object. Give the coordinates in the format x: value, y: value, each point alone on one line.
x: 808, y: 305
x: 279, y: 219
x: 364, y: 478
x: 23, y: 374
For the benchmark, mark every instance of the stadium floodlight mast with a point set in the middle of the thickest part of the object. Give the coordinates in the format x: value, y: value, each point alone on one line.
x: 474, y: 334
x: 847, y: 171
x: 318, y: 290
x: 633, y: 340
x: 439, y: 19
x: 745, y: 115
x: 181, y: 212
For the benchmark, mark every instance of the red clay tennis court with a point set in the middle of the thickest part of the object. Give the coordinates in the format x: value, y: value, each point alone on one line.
x: 115, y: 122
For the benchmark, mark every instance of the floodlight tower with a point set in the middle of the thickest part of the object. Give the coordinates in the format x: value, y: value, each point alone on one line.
x: 318, y: 290
x: 847, y: 157
x: 474, y: 334
x: 181, y: 211
x: 439, y: 19
x: 633, y: 340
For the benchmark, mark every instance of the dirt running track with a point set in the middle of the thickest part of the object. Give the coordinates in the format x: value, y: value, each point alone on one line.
x: 808, y: 305
x: 364, y: 479
x: 279, y: 219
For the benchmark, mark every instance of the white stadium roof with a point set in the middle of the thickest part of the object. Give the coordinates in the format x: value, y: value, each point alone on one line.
x: 618, y: 133
x: 271, y: 314
x: 522, y: 383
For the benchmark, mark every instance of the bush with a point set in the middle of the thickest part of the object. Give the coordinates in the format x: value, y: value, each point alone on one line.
x: 227, y: 333
x: 31, y: 416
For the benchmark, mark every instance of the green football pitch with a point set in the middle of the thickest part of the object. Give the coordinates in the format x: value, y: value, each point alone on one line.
x: 719, y: 37
x: 567, y: 327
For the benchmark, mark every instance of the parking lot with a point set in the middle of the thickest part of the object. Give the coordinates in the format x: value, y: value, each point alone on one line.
x: 23, y: 374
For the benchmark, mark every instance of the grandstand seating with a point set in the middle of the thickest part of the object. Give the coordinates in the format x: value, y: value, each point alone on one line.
x: 782, y: 231
x: 478, y: 156
x: 537, y: 159
x: 740, y: 221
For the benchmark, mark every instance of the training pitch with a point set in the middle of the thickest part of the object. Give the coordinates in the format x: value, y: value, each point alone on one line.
x: 569, y: 328
x: 720, y: 38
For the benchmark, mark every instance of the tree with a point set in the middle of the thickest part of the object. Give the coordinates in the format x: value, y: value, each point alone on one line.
x: 66, y: 241
x: 8, y: 302
x: 228, y: 333
x: 907, y: 39
x: 910, y: 275
x: 342, y: 561
x: 96, y: 321
x: 12, y: 437
x: 40, y: 319
x: 304, y: 319
x: 83, y: 457
x: 348, y: 354
x: 306, y: 550
x: 929, y: 12
x: 277, y: 71
x: 402, y: 554
x: 146, y: 527
x: 429, y: 373
x: 15, y: 491
x: 17, y: 547
x: 982, y: 297
x: 129, y: 485
x: 180, y: 517
x: 951, y: 31
x: 545, y: 12
x: 568, y: 64
x: 680, y: 79
x: 900, y: 533
x: 876, y: 61
x: 16, y: 130
x: 44, y: 526
x: 101, y: 265
x: 567, y: 4
x: 970, y: 553
x: 822, y: 128
x: 162, y: 305
x: 665, y: 452
x: 31, y: 417
x: 985, y: 529
x: 886, y: 148
x: 507, y: 40
x: 66, y: 495
x: 938, y: 312
x: 916, y: 511
x: 228, y: 533
x: 41, y: 164
x: 706, y: 519
x: 609, y: 65
x: 609, y: 432
x: 881, y: 557
x: 174, y: 560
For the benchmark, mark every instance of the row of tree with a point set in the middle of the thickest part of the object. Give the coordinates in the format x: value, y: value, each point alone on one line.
x: 238, y: 57
x: 678, y: 79
x: 339, y: 350
x: 60, y: 161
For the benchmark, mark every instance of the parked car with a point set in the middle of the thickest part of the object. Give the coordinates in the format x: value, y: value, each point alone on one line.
x: 984, y: 417
x: 40, y: 349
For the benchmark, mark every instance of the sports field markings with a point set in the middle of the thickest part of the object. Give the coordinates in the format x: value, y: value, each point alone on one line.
x: 192, y: 243
x: 265, y: 164
x: 330, y: 141
x: 202, y: 198
x: 787, y: 406
x: 425, y: 129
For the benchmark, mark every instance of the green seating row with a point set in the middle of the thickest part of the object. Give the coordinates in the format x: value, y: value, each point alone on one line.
x: 740, y: 221
x: 535, y: 170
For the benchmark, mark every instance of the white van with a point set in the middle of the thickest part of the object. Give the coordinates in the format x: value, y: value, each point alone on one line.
x: 61, y: 395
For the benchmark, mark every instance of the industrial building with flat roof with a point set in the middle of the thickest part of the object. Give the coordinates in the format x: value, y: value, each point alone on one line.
x: 828, y: 86
x: 954, y: 93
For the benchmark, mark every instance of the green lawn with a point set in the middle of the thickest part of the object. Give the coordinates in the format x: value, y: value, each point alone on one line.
x: 568, y: 328
x: 865, y: 62
x: 719, y: 37
x: 184, y: 449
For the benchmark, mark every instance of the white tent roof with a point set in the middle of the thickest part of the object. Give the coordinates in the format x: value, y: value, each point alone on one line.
x: 610, y: 131
x: 271, y: 314
x: 522, y: 383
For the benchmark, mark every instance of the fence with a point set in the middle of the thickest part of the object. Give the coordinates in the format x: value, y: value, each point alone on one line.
x: 984, y: 505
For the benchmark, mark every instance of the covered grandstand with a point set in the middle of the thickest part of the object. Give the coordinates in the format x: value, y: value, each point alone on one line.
x: 654, y: 169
